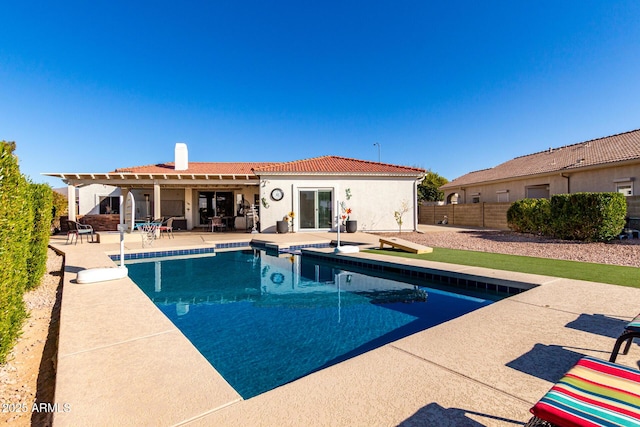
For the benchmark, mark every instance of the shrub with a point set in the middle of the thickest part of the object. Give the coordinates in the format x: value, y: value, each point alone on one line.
x: 60, y: 208
x: 42, y: 203
x: 597, y: 217
x: 529, y: 216
x: 16, y: 223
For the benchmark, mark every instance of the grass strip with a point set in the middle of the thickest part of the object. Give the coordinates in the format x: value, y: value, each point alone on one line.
x: 603, y: 273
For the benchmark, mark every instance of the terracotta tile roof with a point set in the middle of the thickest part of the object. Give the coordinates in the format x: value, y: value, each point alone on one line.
x: 325, y: 164
x: 337, y: 165
x: 199, y: 168
x: 601, y: 151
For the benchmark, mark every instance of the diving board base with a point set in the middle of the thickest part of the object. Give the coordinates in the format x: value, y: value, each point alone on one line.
x: 93, y: 275
x: 347, y: 249
x: 405, y: 245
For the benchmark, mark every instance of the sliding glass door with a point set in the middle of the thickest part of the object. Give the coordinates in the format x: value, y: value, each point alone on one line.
x: 316, y: 209
x: 214, y: 203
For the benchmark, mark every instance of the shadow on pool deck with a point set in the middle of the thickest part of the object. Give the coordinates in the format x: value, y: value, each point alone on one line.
x: 121, y: 362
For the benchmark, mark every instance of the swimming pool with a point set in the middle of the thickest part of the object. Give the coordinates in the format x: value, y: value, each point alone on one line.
x: 264, y: 320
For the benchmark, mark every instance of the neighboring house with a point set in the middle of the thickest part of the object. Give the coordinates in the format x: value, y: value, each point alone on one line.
x: 600, y: 165
x: 310, y: 188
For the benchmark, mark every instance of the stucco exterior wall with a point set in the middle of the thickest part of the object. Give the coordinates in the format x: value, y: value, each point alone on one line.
x: 373, y: 200
x: 588, y: 180
x: 604, y: 179
x: 89, y: 197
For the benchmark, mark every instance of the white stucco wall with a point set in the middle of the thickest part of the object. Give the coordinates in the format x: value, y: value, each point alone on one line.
x: 89, y: 197
x: 373, y: 200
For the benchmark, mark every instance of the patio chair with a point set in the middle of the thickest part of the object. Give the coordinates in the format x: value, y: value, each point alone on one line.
x: 592, y: 393
x: 631, y: 331
x: 167, y: 228
x: 217, y: 224
x: 78, y: 230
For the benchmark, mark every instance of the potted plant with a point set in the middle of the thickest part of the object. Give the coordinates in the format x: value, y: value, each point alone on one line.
x: 350, y: 224
x: 282, y: 226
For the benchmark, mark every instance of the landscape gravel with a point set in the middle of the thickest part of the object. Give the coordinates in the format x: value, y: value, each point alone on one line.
x: 28, y: 376
x: 618, y: 252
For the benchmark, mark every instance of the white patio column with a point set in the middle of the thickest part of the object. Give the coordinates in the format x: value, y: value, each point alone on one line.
x: 71, y: 200
x: 188, y: 205
x: 156, y: 200
x: 415, y: 206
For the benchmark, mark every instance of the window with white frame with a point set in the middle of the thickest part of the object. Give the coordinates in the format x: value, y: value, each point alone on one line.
x: 109, y: 205
x: 625, y: 188
x: 503, y: 196
x: 537, y: 191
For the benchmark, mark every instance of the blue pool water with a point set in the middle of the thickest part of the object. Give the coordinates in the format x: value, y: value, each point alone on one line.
x: 263, y: 321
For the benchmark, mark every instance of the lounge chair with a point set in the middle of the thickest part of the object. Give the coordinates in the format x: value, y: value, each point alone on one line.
x: 78, y: 230
x: 592, y: 393
x: 631, y: 331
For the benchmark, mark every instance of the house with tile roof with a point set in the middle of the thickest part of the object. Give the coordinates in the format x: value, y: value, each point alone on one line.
x: 605, y: 164
x: 194, y: 192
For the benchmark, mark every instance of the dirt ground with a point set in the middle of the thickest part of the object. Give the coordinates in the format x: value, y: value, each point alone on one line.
x: 28, y: 376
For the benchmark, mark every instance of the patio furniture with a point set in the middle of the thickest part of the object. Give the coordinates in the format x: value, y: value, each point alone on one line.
x: 592, y: 393
x: 217, y: 224
x: 167, y: 227
x: 631, y: 331
x: 78, y: 230
x: 179, y: 223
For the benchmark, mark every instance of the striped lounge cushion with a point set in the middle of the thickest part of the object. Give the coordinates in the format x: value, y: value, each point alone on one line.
x: 634, y: 325
x: 593, y: 393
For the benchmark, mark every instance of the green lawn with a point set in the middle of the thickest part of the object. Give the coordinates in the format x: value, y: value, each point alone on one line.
x: 604, y: 273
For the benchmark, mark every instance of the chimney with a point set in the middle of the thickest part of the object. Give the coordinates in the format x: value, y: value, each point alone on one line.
x: 182, y: 157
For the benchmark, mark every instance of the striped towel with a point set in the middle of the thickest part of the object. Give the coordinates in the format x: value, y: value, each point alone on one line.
x: 634, y: 325
x: 593, y: 393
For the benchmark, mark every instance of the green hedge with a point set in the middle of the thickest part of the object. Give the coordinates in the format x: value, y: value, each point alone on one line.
x: 42, y: 203
x: 16, y: 219
x: 530, y: 216
x: 597, y: 217
x: 25, y: 218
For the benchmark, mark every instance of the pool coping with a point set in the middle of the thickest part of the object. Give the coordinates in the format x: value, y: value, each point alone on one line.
x: 111, y: 333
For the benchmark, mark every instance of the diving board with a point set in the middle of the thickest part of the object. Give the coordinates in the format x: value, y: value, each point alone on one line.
x: 405, y: 245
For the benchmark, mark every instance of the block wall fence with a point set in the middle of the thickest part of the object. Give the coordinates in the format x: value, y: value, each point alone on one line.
x: 494, y: 215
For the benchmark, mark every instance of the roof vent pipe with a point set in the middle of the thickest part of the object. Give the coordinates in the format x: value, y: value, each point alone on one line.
x: 182, y: 157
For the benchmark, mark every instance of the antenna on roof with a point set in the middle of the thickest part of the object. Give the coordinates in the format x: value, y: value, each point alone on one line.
x: 378, y: 144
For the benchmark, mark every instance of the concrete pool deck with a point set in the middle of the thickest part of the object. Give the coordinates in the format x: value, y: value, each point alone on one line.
x: 122, y: 362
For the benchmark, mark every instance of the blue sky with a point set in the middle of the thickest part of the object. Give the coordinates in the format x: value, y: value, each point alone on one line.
x: 451, y: 86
